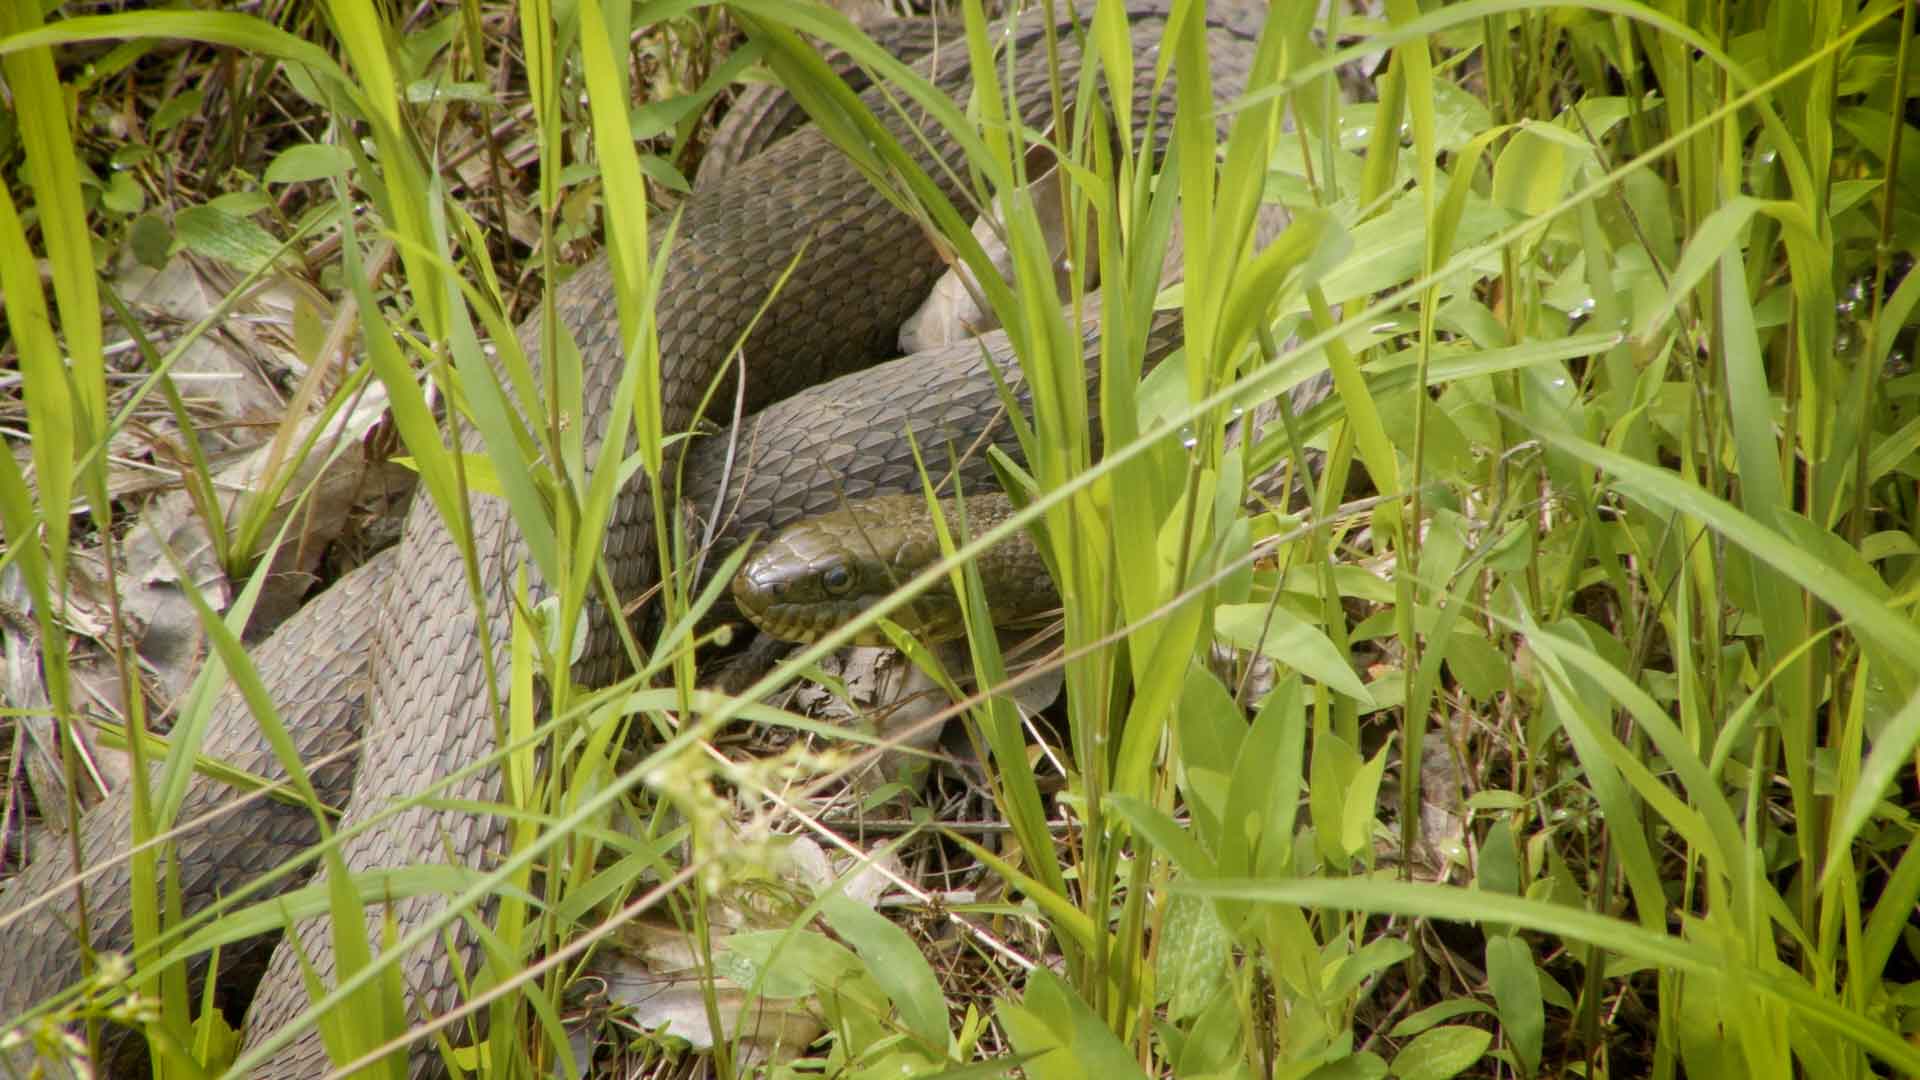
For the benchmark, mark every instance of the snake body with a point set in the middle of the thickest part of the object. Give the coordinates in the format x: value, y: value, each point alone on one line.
x: 865, y: 265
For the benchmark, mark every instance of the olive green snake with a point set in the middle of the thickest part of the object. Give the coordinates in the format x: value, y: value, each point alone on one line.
x: 817, y: 575
x: 415, y: 672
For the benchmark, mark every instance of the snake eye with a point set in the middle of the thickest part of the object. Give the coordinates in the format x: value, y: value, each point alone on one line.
x: 836, y: 578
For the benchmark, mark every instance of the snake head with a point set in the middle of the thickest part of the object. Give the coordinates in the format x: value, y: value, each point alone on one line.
x: 821, y: 573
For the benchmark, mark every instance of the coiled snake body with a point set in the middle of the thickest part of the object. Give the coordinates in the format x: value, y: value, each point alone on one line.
x: 865, y: 265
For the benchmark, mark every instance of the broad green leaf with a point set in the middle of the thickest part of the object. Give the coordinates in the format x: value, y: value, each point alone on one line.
x: 1515, y: 981
x: 1278, y: 633
x: 1194, y: 955
x: 1367, y: 962
x: 216, y: 234
x: 1071, y: 1043
x: 1529, y: 175
x: 308, y: 161
x: 1441, y: 1053
x: 895, y: 962
x: 1362, y: 806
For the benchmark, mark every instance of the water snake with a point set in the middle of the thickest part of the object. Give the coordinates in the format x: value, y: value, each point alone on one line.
x: 865, y: 264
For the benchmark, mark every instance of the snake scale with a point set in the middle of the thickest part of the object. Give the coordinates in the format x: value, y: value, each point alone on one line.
x: 865, y: 265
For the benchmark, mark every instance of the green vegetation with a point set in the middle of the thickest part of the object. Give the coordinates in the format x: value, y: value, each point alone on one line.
x: 1617, y: 307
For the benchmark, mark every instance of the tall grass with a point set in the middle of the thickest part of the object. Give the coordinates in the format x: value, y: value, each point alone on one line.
x: 1616, y: 306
